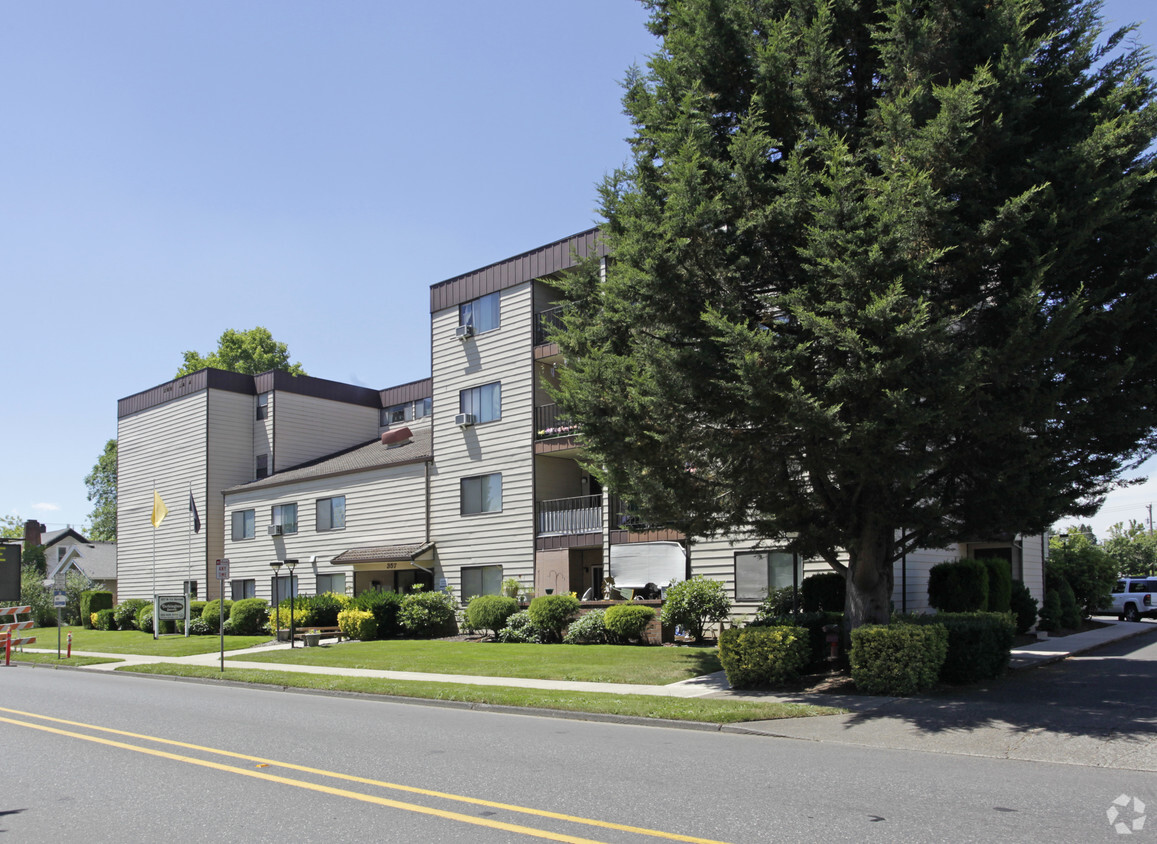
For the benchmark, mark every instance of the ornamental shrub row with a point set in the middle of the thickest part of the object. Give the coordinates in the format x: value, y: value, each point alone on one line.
x: 897, y: 659
x: 93, y: 601
x: 979, y: 643
x: 755, y: 657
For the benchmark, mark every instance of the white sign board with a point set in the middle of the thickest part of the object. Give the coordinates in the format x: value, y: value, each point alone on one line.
x: 170, y: 607
x: 223, y: 569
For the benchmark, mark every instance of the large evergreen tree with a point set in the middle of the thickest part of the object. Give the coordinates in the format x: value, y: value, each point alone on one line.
x: 102, y: 492
x: 882, y: 276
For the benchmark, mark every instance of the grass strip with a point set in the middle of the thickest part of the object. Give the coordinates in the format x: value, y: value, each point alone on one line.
x: 50, y: 659
x: 590, y: 663
x: 137, y: 642
x: 712, y: 711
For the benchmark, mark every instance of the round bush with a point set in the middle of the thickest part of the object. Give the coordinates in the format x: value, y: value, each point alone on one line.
x: 588, y: 629
x: 125, y: 613
x: 211, y: 613
x: 695, y: 603
x: 1024, y: 605
x: 145, y: 617
x: 628, y: 621
x: 248, y: 616
x: 823, y: 592
x: 357, y: 624
x: 959, y: 586
x: 520, y: 630
x: 200, y: 627
x: 552, y: 613
x: 425, y: 615
x: 384, y: 606
x: 104, y: 620
x: 489, y: 612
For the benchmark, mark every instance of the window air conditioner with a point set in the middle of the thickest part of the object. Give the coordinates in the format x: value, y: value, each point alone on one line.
x: 464, y: 331
x: 275, y: 530
x: 464, y: 420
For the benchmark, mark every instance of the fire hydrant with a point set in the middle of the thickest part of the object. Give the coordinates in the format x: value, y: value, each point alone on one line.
x: 832, y: 634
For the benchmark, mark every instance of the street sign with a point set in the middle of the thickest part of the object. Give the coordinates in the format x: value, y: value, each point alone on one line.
x: 223, y: 569
x: 59, y: 598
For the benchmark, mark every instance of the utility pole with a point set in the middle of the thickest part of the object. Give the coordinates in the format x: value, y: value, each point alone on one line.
x: 1149, y: 507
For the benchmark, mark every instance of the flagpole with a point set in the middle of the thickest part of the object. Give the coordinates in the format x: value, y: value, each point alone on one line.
x: 154, y: 523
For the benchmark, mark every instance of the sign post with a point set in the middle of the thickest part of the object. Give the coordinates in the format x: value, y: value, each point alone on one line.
x: 222, y: 576
x: 59, y: 600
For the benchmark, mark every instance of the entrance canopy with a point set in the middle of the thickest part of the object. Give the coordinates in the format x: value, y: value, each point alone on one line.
x: 399, y: 557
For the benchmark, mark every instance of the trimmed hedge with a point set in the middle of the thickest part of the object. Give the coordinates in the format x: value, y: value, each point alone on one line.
x: 1050, y: 613
x: 384, y: 606
x: 1023, y: 606
x: 427, y: 615
x: 960, y: 586
x: 979, y: 644
x: 489, y: 612
x: 145, y: 617
x: 357, y: 624
x: 813, y: 623
x: 104, y: 619
x: 93, y: 601
x: 552, y: 613
x: 249, y: 616
x: 823, y: 592
x: 628, y: 621
x: 755, y: 657
x: 999, y: 584
x: 897, y: 659
x: 211, y: 614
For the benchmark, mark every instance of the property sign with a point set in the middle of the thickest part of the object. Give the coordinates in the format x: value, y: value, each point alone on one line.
x: 170, y: 607
x: 223, y: 569
x: 59, y: 598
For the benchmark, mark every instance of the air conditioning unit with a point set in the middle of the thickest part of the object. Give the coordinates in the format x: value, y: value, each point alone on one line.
x: 464, y: 420
x: 464, y: 331
x: 275, y: 530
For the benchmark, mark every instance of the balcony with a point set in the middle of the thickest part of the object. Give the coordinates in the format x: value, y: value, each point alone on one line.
x: 545, y: 322
x: 548, y: 424
x: 567, y: 516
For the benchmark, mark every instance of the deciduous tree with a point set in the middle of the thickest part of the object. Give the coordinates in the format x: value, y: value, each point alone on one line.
x: 102, y: 491
x: 252, y: 352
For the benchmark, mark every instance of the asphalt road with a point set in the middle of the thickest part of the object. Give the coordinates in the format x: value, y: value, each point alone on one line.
x: 223, y: 763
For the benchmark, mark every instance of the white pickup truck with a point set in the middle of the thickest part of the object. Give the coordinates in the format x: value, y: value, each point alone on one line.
x: 1134, y: 597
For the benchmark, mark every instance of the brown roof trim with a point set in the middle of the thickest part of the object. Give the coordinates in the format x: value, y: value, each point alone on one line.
x: 319, y: 388
x: 412, y: 391
x: 537, y: 263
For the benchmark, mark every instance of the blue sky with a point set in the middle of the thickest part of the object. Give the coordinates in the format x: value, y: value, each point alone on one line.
x: 170, y: 170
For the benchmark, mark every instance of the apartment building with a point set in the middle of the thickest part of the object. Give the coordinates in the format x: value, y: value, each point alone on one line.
x: 460, y: 480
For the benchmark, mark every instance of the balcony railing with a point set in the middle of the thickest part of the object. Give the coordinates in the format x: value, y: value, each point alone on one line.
x: 564, y: 516
x: 548, y: 423
x: 545, y: 322
x: 623, y: 519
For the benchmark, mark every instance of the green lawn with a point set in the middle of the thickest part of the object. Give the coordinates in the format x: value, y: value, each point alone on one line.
x: 136, y: 642
x: 644, y: 706
x: 593, y: 663
x: 51, y: 659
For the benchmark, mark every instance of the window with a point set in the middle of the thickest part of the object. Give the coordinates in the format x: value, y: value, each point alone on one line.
x: 286, y: 516
x: 331, y: 583
x: 331, y: 513
x: 758, y: 573
x: 484, y: 402
x: 481, y: 580
x: 482, y: 494
x: 422, y: 408
x: 282, y: 587
x: 262, y: 470
x: 263, y: 405
x: 190, y: 588
x: 482, y: 313
x: 406, y: 412
x: 243, y: 589
x: 243, y: 524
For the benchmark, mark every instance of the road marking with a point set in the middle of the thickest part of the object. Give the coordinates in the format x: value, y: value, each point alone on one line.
x: 264, y: 762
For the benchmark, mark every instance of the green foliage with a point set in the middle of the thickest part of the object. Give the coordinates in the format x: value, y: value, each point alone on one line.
x: 878, y: 247
x: 249, y: 616
x: 999, y: 584
x: 1087, y: 568
x: 897, y: 659
x: 104, y: 619
x: 552, y: 613
x: 823, y: 592
x: 384, y: 606
x: 357, y: 624
x: 756, y: 657
x: 695, y: 603
x: 92, y: 601
x: 959, y: 586
x: 489, y: 612
x: 251, y: 352
x: 200, y: 627
x: 144, y: 621
x: 1050, y: 614
x: 588, y: 629
x: 520, y: 630
x: 1023, y: 606
x: 979, y: 644
x: 1132, y: 550
x: 125, y: 613
x: 425, y: 615
x: 628, y: 621
x: 813, y: 623
x: 102, y: 492
x: 211, y: 614
x: 33, y: 593
x: 33, y: 555
x: 779, y: 602
x: 11, y: 527
x: 324, y: 608
x: 1070, y: 611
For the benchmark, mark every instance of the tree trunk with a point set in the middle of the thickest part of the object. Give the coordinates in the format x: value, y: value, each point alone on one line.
x: 869, y: 592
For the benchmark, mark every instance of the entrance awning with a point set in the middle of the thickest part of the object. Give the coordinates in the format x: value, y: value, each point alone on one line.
x: 393, y: 557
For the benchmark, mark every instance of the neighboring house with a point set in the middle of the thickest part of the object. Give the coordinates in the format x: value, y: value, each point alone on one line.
x: 462, y: 479
x: 95, y: 560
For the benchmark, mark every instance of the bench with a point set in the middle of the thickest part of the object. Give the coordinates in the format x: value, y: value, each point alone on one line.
x: 311, y: 635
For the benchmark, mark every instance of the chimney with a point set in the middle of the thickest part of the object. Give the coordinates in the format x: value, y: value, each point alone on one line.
x: 33, y: 533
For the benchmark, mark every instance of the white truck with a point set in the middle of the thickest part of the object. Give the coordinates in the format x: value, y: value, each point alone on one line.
x: 1134, y: 597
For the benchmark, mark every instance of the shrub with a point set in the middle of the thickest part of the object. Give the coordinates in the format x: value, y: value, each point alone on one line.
x: 520, y: 629
x: 588, y: 629
x: 384, y: 606
x: 248, y: 616
x: 425, y: 615
x: 357, y: 624
x: 813, y: 623
x: 199, y: 627
x: 960, y: 586
x: 1050, y: 614
x: 779, y: 602
x: 1024, y: 606
x: 324, y: 608
x: 897, y: 659
x: 1070, y: 611
x: 212, y: 611
x: 762, y: 656
x: 93, y: 601
x: 1088, y: 569
x: 823, y: 592
x: 489, y: 612
x: 695, y: 603
x: 145, y: 617
x: 125, y: 613
x: 979, y: 644
x: 999, y: 584
x: 628, y: 621
x: 104, y: 619
x: 33, y: 593
x: 552, y: 613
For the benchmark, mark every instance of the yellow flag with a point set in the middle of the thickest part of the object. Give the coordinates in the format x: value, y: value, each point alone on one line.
x: 159, y: 509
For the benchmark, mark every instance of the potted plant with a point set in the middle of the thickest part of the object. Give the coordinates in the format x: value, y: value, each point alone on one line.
x: 510, y: 587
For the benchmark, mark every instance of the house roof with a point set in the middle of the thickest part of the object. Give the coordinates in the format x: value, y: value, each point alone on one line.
x: 360, y: 458
x: 97, y: 559
x: 383, y: 553
x: 53, y: 536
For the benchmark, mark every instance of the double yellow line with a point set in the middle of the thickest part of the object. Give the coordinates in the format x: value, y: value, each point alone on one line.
x: 260, y: 763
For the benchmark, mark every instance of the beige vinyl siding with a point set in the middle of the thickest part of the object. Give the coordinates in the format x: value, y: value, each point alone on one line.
x: 384, y: 506
x: 262, y: 434
x: 306, y: 428
x: 164, y: 445
x: 1034, y: 556
x: 230, y: 462
x: 504, y: 446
